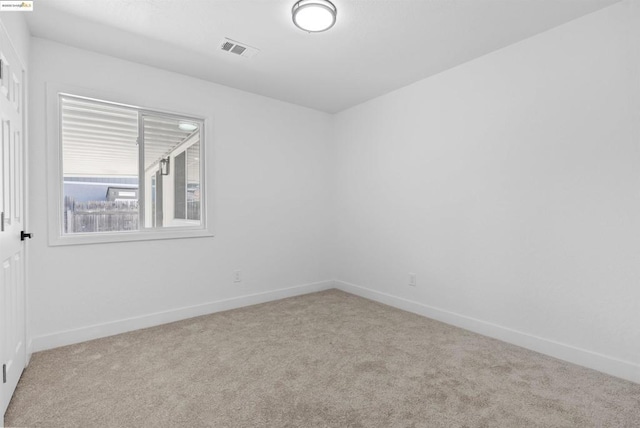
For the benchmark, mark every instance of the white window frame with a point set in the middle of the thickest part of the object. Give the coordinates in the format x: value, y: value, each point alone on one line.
x: 55, y: 175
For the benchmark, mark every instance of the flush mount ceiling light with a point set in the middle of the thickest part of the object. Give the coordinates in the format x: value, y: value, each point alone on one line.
x: 187, y: 126
x: 314, y: 16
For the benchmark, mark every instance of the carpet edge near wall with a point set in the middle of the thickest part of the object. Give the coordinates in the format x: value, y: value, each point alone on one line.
x: 603, y: 363
x: 111, y: 328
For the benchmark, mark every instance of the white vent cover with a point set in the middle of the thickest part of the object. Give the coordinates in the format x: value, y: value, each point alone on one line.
x: 238, y: 48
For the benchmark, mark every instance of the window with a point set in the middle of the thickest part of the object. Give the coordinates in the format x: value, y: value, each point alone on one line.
x: 128, y: 173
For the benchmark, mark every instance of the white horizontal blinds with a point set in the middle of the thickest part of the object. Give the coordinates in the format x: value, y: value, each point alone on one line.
x: 161, y: 137
x: 98, y: 139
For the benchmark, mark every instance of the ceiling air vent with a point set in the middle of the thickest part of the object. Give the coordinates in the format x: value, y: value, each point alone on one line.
x: 237, y: 48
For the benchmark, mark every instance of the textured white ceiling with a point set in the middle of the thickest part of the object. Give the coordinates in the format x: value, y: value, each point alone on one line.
x: 376, y: 45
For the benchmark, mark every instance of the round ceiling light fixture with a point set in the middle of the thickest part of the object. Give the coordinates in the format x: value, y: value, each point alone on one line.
x: 187, y: 126
x: 314, y: 16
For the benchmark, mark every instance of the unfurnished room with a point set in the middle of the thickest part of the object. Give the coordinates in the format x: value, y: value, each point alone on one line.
x: 320, y: 213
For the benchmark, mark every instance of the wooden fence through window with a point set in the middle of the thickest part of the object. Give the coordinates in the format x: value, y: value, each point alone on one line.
x: 100, y: 216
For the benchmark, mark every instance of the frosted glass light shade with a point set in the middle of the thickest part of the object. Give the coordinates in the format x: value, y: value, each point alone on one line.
x: 314, y: 16
x: 187, y: 126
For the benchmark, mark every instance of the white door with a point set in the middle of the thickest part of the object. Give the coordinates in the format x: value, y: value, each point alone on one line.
x: 12, y: 207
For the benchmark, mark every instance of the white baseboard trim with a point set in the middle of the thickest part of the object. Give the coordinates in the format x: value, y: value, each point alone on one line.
x: 29, y: 352
x: 603, y: 363
x: 83, y: 334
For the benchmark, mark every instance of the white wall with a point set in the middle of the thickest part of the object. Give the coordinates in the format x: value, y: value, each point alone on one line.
x: 510, y: 185
x: 269, y: 168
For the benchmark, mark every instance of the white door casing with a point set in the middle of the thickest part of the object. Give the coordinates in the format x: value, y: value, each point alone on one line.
x: 12, y: 207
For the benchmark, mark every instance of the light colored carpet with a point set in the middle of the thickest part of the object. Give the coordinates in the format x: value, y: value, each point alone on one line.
x: 327, y: 359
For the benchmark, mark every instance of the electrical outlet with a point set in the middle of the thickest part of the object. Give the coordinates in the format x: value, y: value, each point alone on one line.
x: 412, y: 279
x: 237, y: 276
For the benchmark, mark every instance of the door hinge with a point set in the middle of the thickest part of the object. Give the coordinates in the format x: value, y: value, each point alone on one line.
x: 4, y: 373
x: 2, y: 222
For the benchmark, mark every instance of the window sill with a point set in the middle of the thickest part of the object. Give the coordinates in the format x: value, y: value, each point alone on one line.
x: 108, y: 237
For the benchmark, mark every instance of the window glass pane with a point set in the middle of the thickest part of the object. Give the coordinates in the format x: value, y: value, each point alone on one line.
x: 180, y: 186
x: 169, y: 143
x: 126, y: 169
x: 100, y: 166
x: 193, y: 181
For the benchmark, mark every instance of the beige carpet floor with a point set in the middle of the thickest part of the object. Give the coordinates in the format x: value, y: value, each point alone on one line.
x: 327, y: 359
